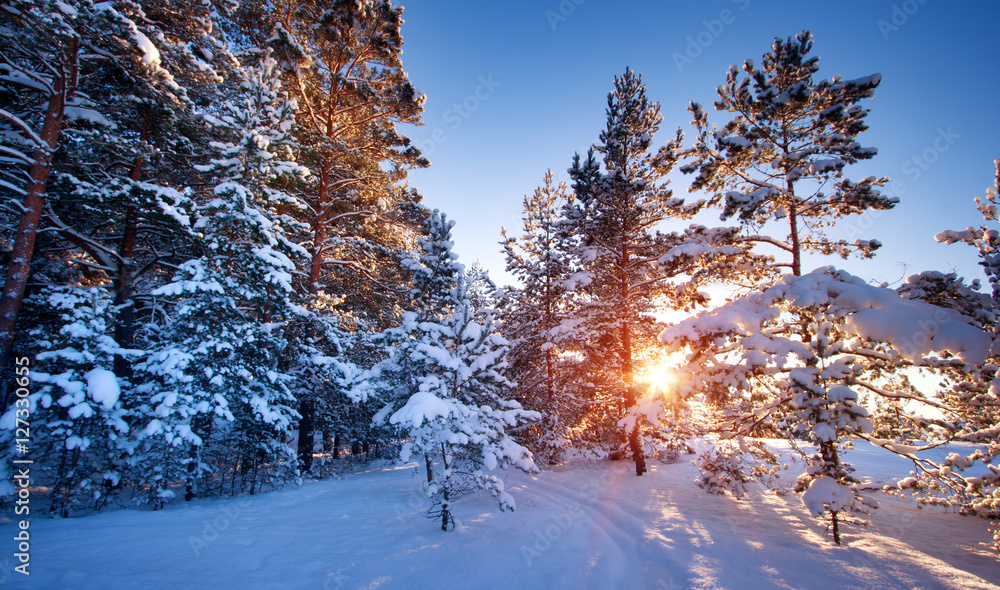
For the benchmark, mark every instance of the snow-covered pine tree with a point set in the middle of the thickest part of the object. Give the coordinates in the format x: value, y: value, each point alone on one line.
x: 976, y: 394
x: 79, y: 429
x: 452, y: 402
x: 343, y: 61
x: 40, y: 58
x: 216, y: 358
x: 539, y: 259
x: 435, y: 278
x: 808, y: 389
x: 86, y: 75
x: 183, y: 63
x: 627, y: 203
x: 483, y: 292
x: 62, y: 62
x: 129, y: 74
x: 627, y: 266
x: 797, y: 368
x: 211, y: 370
x: 782, y: 155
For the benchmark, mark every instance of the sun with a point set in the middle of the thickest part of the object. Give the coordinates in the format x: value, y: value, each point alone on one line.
x: 661, y: 379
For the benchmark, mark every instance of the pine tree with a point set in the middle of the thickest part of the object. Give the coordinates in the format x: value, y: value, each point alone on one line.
x: 79, y: 428
x: 41, y: 63
x: 798, y: 372
x: 343, y: 62
x: 628, y: 267
x: 348, y: 111
x: 976, y: 393
x: 539, y: 259
x: 808, y: 388
x: 217, y: 355
x: 436, y: 276
x: 783, y: 154
x: 454, y: 404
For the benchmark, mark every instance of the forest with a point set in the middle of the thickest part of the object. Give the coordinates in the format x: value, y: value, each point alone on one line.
x: 219, y: 281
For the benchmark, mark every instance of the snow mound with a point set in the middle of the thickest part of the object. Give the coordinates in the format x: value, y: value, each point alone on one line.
x: 825, y: 492
x: 422, y: 406
x: 102, y: 387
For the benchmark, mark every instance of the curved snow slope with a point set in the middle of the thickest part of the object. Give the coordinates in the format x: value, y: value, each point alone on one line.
x: 582, y: 526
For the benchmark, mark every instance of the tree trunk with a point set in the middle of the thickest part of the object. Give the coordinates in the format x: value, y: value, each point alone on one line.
x: 34, y: 200
x: 307, y: 406
x: 634, y: 437
x: 793, y: 233
x: 125, y: 327
x: 446, y: 503
x: 319, y: 229
x: 445, y: 511
x: 635, y: 444
x: 201, y: 425
x: 190, y: 484
x: 306, y: 440
x: 336, y: 446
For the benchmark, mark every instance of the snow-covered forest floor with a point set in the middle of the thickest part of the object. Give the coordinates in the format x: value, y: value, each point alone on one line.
x: 590, y: 525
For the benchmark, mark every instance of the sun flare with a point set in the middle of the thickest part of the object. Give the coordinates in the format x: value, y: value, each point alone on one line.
x: 661, y: 379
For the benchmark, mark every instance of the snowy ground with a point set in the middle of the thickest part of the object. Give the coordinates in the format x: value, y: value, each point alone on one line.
x: 581, y: 526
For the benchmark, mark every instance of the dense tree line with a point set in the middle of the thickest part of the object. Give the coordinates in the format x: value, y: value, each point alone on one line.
x: 205, y: 213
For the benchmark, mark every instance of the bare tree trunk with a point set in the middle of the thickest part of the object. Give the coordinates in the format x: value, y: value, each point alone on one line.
x: 446, y: 504
x: 125, y: 327
x: 201, y: 425
x: 190, y: 490
x: 306, y: 426
x: 307, y: 405
x: 34, y: 200
x: 793, y: 232
x: 445, y: 511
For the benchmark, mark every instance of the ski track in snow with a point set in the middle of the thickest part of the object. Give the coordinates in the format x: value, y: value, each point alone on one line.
x: 589, y: 525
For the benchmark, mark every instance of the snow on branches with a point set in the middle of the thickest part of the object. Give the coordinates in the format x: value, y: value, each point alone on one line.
x: 783, y: 154
x: 796, y: 358
x: 445, y: 377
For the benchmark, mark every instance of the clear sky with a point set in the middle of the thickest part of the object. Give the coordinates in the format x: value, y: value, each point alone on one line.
x: 516, y: 87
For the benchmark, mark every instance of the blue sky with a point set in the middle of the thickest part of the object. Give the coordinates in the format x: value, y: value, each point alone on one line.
x: 515, y: 88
